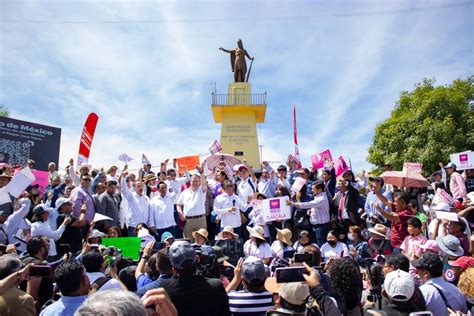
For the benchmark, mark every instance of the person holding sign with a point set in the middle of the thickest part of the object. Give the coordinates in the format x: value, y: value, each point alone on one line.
x: 191, y: 205
x: 318, y: 212
x: 228, y: 206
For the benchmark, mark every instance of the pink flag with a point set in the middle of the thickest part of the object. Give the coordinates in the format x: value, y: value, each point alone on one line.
x: 340, y: 166
x: 215, y: 147
x: 295, y: 137
x: 319, y: 159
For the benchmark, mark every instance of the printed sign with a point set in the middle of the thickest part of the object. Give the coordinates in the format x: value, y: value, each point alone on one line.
x: 215, y: 147
x: 442, y: 196
x: 298, y: 184
x: 20, y: 182
x: 412, y: 167
x: 319, y: 160
x: 189, y: 163
x: 234, y: 249
x: 463, y: 160
x: 130, y: 246
x: 340, y: 166
x: 276, y: 209
x: 21, y: 140
x: 42, y: 180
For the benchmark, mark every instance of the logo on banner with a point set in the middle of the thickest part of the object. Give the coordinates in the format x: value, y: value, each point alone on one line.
x: 463, y: 160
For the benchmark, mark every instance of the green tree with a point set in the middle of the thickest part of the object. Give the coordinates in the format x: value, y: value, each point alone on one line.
x: 4, y: 111
x: 427, y: 125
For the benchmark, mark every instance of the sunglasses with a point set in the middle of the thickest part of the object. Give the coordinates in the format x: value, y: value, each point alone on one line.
x: 88, y: 180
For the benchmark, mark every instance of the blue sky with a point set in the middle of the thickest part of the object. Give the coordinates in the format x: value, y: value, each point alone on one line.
x: 343, y: 63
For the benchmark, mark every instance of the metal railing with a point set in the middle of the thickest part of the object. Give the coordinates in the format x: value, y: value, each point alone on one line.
x: 239, y: 99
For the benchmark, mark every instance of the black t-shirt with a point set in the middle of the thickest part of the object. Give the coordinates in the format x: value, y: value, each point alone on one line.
x: 470, y: 184
x: 72, y: 235
x: 196, y: 295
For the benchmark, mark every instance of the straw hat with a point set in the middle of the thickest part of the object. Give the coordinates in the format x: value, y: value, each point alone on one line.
x: 149, y: 177
x: 202, y: 232
x: 228, y: 229
x: 284, y: 235
x: 379, y: 229
x: 256, y: 232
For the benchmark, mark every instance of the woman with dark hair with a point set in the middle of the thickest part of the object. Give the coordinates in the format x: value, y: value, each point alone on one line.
x: 347, y: 286
x: 280, y: 191
x: 333, y: 248
x: 113, y: 232
x: 257, y: 246
x: 348, y: 175
x: 221, y: 176
x: 358, y: 247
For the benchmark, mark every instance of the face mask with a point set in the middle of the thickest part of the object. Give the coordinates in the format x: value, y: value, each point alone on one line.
x: 332, y: 243
x: 350, y: 236
x: 470, y: 299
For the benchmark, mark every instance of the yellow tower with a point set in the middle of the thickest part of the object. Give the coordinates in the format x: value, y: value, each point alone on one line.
x: 239, y: 111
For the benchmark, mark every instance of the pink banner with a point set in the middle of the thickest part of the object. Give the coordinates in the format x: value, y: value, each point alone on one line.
x: 42, y: 180
x: 318, y: 160
x: 340, y: 166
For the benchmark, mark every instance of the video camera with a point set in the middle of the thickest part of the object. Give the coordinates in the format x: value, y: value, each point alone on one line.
x: 207, y: 259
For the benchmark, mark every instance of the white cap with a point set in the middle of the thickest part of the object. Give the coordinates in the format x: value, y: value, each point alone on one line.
x: 441, y: 207
x: 399, y: 285
x: 60, y: 201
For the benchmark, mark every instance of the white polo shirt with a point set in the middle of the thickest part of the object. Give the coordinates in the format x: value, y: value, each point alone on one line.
x: 193, y: 202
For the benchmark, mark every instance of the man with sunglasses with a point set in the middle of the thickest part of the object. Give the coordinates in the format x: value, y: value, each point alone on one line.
x: 83, y: 195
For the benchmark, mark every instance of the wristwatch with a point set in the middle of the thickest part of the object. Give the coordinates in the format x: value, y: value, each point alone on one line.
x: 145, y: 257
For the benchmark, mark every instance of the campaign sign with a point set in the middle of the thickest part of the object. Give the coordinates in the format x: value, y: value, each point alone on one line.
x: 463, y: 160
x: 276, y: 209
x: 21, y: 140
x: 234, y: 249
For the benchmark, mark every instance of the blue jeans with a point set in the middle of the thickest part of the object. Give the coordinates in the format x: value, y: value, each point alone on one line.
x: 321, y: 232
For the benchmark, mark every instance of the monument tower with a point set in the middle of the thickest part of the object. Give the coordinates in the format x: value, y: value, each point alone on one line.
x: 239, y: 111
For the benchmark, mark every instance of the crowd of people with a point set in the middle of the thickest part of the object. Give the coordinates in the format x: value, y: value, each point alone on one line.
x: 354, y: 244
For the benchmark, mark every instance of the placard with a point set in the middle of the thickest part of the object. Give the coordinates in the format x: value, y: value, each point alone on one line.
x: 412, y: 167
x: 298, y: 184
x: 463, y: 160
x: 20, y: 182
x: 42, y: 180
x: 234, y: 249
x: 318, y: 160
x: 189, y: 163
x: 276, y: 209
x: 442, y: 196
x: 450, y: 216
x: 130, y: 246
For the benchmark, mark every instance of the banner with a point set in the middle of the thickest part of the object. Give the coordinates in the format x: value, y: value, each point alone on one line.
x: 463, y: 160
x: 21, y: 140
x: 145, y: 160
x: 442, y: 196
x: 130, y: 246
x: 189, y: 163
x: 319, y: 160
x: 86, y: 139
x: 412, y: 167
x: 215, y: 147
x: 42, y: 180
x: 276, y: 209
x: 340, y: 166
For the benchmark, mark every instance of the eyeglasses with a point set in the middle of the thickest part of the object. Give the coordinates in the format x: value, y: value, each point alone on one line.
x: 88, y: 180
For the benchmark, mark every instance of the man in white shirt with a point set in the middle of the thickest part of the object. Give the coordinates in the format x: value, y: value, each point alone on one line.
x: 162, y: 211
x: 268, y: 181
x: 10, y: 224
x: 228, y: 206
x: 174, y: 184
x: 248, y: 184
x: 138, y: 204
x: 191, y: 205
x: 282, y: 177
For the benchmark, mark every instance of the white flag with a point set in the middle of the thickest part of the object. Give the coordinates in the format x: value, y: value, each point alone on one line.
x: 125, y: 158
x: 215, y: 147
x: 145, y: 160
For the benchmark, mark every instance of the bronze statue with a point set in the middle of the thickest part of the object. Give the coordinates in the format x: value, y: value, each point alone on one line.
x: 237, y: 61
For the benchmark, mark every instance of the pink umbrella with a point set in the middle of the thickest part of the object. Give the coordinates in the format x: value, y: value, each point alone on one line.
x: 402, y: 179
x: 214, y: 160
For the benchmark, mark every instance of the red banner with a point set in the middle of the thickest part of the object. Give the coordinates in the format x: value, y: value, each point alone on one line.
x: 189, y: 163
x: 86, y: 138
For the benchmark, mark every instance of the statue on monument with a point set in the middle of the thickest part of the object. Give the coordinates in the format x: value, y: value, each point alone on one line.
x: 238, y: 63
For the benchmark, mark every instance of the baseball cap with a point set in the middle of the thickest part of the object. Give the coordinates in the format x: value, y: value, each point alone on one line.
x: 428, y: 260
x: 60, y: 201
x: 450, y: 165
x: 399, y: 285
x: 295, y: 293
x: 182, y: 254
x: 253, y: 270
x: 40, y: 209
x: 96, y: 233
x: 377, y: 179
x: 463, y: 262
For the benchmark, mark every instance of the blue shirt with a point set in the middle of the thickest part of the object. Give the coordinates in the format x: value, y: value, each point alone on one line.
x: 143, y: 279
x: 66, y: 305
x: 371, y: 198
x: 153, y: 285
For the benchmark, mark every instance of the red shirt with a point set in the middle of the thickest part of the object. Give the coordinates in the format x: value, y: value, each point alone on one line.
x: 398, y: 230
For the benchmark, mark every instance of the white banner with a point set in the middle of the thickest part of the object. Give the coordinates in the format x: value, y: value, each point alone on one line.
x: 20, y: 182
x: 276, y: 209
x: 412, y: 167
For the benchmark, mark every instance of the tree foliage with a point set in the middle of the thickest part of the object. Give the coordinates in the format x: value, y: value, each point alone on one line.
x: 427, y: 125
x: 4, y: 111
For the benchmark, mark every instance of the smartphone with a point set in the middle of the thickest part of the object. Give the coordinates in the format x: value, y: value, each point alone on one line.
x: 288, y: 254
x: 290, y: 274
x: 304, y: 257
x: 41, y: 271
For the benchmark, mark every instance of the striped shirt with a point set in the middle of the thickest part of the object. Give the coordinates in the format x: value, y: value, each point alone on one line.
x: 250, y: 303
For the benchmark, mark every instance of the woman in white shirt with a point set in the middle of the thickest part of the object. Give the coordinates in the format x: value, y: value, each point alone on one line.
x: 257, y: 246
x: 282, y: 244
x: 40, y: 227
x: 333, y: 248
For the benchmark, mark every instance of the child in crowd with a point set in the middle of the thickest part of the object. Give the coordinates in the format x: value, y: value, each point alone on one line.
x: 414, y: 239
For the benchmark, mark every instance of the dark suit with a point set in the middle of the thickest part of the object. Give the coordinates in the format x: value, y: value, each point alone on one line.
x: 351, y: 205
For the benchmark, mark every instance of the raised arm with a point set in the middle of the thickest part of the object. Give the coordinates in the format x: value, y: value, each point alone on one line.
x: 226, y: 50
